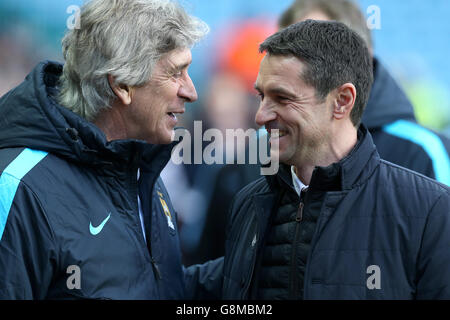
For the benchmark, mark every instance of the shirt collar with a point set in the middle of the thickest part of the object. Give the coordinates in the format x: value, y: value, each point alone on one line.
x: 298, y: 184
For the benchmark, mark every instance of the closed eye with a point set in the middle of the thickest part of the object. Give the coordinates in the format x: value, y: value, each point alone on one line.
x: 282, y: 99
x: 179, y: 70
x: 259, y: 93
x: 177, y: 74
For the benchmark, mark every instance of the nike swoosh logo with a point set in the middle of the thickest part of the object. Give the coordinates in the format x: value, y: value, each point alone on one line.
x: 96, y: 230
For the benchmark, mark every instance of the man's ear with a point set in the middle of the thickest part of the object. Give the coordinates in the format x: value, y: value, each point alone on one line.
x: 122, y: 92
x: 344, y: 101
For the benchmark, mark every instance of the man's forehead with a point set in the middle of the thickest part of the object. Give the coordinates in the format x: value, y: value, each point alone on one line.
x: 281, y: 72
x: 277, y: 61
x: 180, y: 57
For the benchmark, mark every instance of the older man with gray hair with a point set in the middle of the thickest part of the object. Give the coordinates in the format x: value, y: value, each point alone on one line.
x: 83, y: 212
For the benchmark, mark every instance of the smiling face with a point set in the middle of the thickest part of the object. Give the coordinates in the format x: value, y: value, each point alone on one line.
x: 154, y: 106
x: 291, y: 106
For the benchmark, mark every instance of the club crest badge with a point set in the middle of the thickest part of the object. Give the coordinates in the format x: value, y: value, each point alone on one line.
x: 166, y: 211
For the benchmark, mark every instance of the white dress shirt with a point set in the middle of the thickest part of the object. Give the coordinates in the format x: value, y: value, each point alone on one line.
x: 298, y: 184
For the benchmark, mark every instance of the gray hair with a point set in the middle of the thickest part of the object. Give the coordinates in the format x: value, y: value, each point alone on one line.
x: 124, y: 39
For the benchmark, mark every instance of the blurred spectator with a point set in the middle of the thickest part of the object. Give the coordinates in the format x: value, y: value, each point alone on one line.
x: 389, y: 114
x: 229, y: 103
x: 15, y: 59
x: 23, y: 43
x: 237, y: 48
x: 447, y: 131
x: 197, y: 187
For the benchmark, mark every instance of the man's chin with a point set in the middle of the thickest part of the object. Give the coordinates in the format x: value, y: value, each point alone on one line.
x: 276, y: 155
x: 282, y: 156
x: 161, y: 139
x: 166, y: 140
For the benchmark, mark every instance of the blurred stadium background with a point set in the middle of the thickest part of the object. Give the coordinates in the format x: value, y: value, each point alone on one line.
x: 414, y: 42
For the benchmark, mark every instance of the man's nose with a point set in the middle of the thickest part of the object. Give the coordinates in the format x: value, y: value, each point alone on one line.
x: 264, y: 114
x: 187, y: 91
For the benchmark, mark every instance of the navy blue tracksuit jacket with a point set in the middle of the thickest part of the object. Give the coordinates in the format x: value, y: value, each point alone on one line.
x: 69, y: 219
x: 383, y: 232
x: 389, y: 116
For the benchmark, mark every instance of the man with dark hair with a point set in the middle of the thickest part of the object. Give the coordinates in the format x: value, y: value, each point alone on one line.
x: 336, y: 221
x: 389, y: 114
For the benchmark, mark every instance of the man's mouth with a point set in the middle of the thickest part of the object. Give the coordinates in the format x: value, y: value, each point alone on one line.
x: 277, y: 133
x: 171, y: 114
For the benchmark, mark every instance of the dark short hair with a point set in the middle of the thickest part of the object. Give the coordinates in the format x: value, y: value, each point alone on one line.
x: 333, y: 54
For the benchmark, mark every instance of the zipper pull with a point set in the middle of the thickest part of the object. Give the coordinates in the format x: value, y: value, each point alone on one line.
x: 299, y: 216
x: 156, y: 269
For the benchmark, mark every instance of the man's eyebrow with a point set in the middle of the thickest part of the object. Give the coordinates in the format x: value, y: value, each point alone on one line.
x: 182, y: 66
x: 280, y: 91
x: 277, y: 91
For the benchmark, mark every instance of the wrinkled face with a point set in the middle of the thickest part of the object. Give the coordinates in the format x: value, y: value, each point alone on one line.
x: 291, y: 106
x: 154, y: 105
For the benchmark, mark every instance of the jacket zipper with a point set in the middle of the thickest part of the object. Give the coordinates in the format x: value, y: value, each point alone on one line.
x: 298, y: 219
x: 135, y: 192
x: 247, y: 286
x: 299, y: 216
x: 156, y: 269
